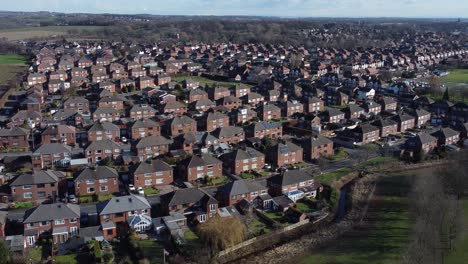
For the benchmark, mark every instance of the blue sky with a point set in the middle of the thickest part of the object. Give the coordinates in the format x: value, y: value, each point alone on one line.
x: 284, y: 8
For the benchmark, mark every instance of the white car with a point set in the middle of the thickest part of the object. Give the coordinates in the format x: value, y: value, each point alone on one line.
x: 141, y: 191
x: 131, y: 187
x: 124, y: 140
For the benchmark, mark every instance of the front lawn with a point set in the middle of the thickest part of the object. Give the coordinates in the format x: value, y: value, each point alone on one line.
x: 94, y: 198
x: 332, y: 176
x: 217, y: 181
x: 340, y: 154
x: 379, y: 161
x: 34, y: 254
x: 303, y: 207
x: 301, y: 165
x: 247, y: 175
x: 20, y: 205
x: 67, y: 259
x: 276, y: 216
x: 151, y: 191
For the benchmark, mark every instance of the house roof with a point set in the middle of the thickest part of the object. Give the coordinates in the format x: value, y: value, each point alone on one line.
x: 152, y: 166
x: 285, y: 148
x: 123, y: 204
x: 104, y: 126
x: 59, y: 129
x: 145, y: 123
x: 50, y: 212
x: 384, y: 122
x: 38, y: 177
x: 14, y: 131
x: 52, y: 148
x: 99, y: 172
x: 248, y: 153
x: 290, y: 177
x: 228, y: 131
x: 103, y: 144
x: 215, y: 116
x: 182, y: 120
x: 445, y: 132
x: 187, y: 196
x: 238, y: 187
x: 318, y: 141
x: 153, y: 141
x: 200, y: 160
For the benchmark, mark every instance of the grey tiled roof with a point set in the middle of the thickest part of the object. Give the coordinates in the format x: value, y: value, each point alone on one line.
x: 153, y: 141
x: 50, y: 212
x: 38, y: 177
x: 99, y: 172
x: 103, y: 145
x: 241, y: 187
x: 290, y: 177
x: 52, y: 148
x: 103, y: 127
x: 14, y: 131
x: 123, y: 204
x: 203, y: 160
x: 187, y: 196
x: 152, y: 166
x: 146, y: 123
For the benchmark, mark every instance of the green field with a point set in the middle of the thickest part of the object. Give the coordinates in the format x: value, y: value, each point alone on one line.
x: 204, y: 81
x: 332, y: 176
x: 41, y: 32
x: 384, y: 235
x: 455, y: 77
x: 460, y: 254
x: 12, y: 59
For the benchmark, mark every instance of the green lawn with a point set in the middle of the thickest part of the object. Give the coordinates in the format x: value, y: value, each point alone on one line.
x: 456, y: 76
x: 190, y: 236
x: 152, y: 250
x: 247, y: 175
x: 217, y: 181
x: 35, y: 254
x: 384, y: 236
x: 19, y: 205
x: 380, y: 160
x: 277, y: 216
x: 303, y: 207
x: 151, y: 191
x: 92, y: 198
x: 204, y: 81
x: 340, y: 154
x: 460, y: 254
x: 42, y: 32
x: 332, y: 176
x: 66, y: 259
x: 12, y: 59
x: 257, y: 228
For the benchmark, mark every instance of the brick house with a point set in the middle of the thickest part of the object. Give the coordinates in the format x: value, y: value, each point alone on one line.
x: 264, y: 129
x: 100, y: 150
x: 214, y: 120
x: 421, y: 117
x: 229, y: 135
x: 404, y: 121
x: 144, y: 128
x: 289, y: 181
x: 121, y: 210
x: 333, y: 115
x: 239, y: 90
x: 283, y: 154
x: 421, y: 142
x: 268, y: 112
x: 195, y: 204
x: 14, y: 138
x: 238, y: 190
x: 316, y: 147
x: 199, y: 166
x: 197, y: 95
x: 151, y: 147
x: 353, y: 111
x: 229, y: 102
x: 241, y: 160
x: 446, y: 136
x: 386, y: 127
x: 153, y: 173
x: 314, y: 104
x: 36, y: 78
x: 79, y: 104
x: 106, y: 114
x: 174, y: 107
x: 24, y: 116
x: 103, y: 131
x: 252, y: 99
x: 218, y: 92
x: 162, y: 79
x: 59, y: 221
x: 142, y: 112
x: 97, y: 180
x: 388, y: 103
x: 289, y: 108
x: 59, y: 134
x: 366, y: 133
x: 113, y: 101
x: 36, y: 186
x: 202, y: 105
x: 180, y: 125
x: 242, y: 115
x: 145, y: 81
x: 52, y: 154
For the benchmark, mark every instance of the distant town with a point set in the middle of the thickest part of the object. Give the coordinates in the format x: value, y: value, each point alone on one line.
x: 180, y: 152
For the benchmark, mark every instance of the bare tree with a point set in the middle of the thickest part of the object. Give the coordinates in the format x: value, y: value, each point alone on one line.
x: 221, y: 233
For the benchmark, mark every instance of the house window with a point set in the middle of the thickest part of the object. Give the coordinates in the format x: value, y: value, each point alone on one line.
x: 59, y: 222
x: 159, y: 173
x: 41, y: 194
x: 103, y: 180
x: 212, y: 207
x: 73, y: 220
x: 27, y: 195
x: 27, y: 187
x: 90, y: 181
x: 159, y: 181
x: 44, y: 223
x: 148, y: 174
x: 103, y: 188
x: 40, y: 185
x: 90, y: 190
x: 148, y: 182
x: 202, y: 218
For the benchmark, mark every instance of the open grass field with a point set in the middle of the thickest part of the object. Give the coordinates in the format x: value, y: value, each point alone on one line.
x: 40, y: 32
x: 456, y: 76
x: 204, y: 81
x: 383, y: 237
x: 10, y: 66
x: 332, y: 176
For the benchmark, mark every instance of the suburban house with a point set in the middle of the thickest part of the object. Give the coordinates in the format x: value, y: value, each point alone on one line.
x: 214, y: 120
x: 103, y: 131
x: 238, y: 190
x: 180, y: 125
x: 145, y: 128
x: 229, y: 135
x: 446, y: 136
x: 174, y: 107
x: 59, y: 221
x: 313, y: 104
x: 387, y: 103
x: 106, y: 114
x: 316, y: 147
x: 199, y: 167
x: 264, y: 129
x: 333, y: 115
x: 268, y: 112
x: 282, y: 154
x: 59, y: 134
x: 195, y: 204
x: 14, y: 138
x: 97, y: 180
x: 404, y: 121
x: 290, y: 108
x: 142, y: 112
x: 421, y: 117
x: 51, y: 154
x: 353, y: 111
x: 366, y: 133
x: 386, y: 127
x: 100, y: 150
x: 421, y: 142
x: 242, y: 160
x: 119, y: 212
x: 153, y: 173
x: 36, y: 185
x: 289, y: 181
x: 79, y: 104
x: 151, y: 147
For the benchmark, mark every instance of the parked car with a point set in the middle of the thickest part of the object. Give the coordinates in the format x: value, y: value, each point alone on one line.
x: 72, y: 198
x: 131, y: 187
x: 124, y: 140
x: 141, y: 191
